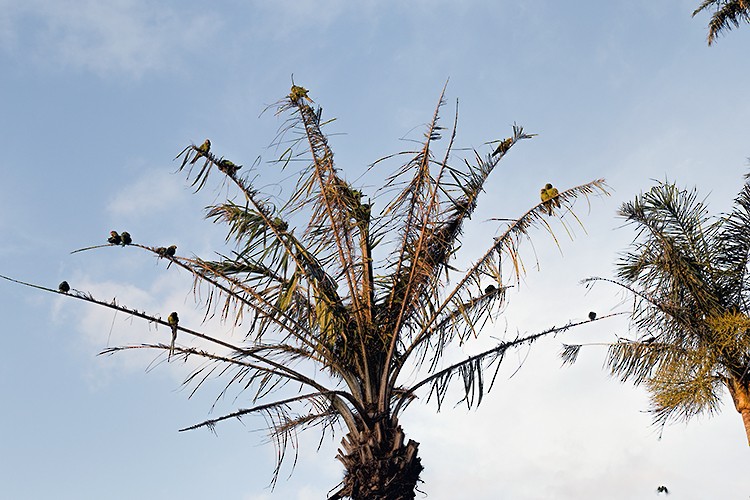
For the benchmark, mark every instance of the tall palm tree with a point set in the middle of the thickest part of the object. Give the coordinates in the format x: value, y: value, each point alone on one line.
x: 727, y: 14
x: 688, y: 275
x: 328, y: 284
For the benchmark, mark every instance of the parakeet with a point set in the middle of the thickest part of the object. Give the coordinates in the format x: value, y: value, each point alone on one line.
x: 490, y: 289
x: 503, y: 147
x: 64, y: 287
x: 170, y: 251
x: 553, y: 195
x: 592, y: 315
x: 662, y: 489
x: 125, y: 237
x: 298, y: 93
x: 203, y: 150
x: 173, y: 321
x: 550, y: 198
x: 161, y: 252
x: 114, y: 238
x: 228, y: 167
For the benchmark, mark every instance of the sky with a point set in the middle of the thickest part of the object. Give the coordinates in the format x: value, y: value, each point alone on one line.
x: 96, y: 100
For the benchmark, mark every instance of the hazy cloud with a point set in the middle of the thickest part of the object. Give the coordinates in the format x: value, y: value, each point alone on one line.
x: 121, y: 37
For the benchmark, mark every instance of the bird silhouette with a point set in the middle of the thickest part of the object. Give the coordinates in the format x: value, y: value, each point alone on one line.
x: 64, y: 287
x: 173, y: 321
x: 592, y: 315
x: 161, y: 251
x: 114, y: 238
x: 170, y: 251
x: 662, y: 489
x: 126, y: 239
x: 490, y: 289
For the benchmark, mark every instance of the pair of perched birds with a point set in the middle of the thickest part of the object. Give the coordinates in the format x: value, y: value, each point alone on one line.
x: 166, y: 252
x: 119, y: 239
x: 551, y: 197
x: 227, y: 166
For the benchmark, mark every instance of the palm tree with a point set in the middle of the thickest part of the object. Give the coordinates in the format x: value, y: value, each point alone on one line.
x: 727, y: 14
x: 306, y: 279
x: 688, y: 275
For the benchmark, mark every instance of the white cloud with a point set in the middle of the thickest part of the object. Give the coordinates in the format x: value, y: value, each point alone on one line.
x: 121, y: 37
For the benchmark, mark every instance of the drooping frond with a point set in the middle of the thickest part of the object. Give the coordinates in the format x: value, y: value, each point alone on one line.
x: 471, y: 372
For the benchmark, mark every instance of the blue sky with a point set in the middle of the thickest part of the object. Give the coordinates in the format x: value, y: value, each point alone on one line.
x: 97, y: 98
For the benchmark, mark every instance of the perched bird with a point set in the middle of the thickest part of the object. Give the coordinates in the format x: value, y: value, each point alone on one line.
x: 662, y: 489
x: 161, y: 252
x: 64, y: 287
x: 126, y: 239
x: 550, y: 197
x: 592, y: 315
x: 298, y: 93
x: 490, y: 289
x: 173, y: 321
x: 114, y: 238
x: 228, y: 167
x: 170, y: 251
x: 202, y: 150
x: 503, y: 147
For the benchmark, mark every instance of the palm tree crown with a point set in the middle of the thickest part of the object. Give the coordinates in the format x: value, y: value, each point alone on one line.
x: 325, y: 281
x: 688, y: 274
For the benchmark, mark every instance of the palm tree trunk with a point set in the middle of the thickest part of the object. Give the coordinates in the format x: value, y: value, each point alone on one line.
x: 740, y: 391
x: 379, y: 466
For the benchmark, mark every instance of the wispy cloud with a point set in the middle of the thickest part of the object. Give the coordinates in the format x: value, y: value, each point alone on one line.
x: 153, y: 191
x: 128, y: 38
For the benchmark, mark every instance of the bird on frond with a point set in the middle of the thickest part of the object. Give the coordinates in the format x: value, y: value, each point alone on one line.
x: 298, y: 93
x: 550, y: 197
x: 170, y: 251
x: 173, y: 321
x: 228, y: 167
x: 64, y: 287
x: 114, y: 238
x: 202, y: 150
x: 126, y: 239
x: 503, y: 147
x: 592, y: 315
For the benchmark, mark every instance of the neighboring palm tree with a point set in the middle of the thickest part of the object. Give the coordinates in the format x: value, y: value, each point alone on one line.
x: 688, y: 274
x: 727, y: 14
x: 305, y: 284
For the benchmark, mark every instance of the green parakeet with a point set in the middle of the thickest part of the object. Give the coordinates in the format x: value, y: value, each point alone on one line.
x: 114, y: 238
x: 173, y: 321
x: 202, y: 150
x: 503, y: 147
x: 126, y: 239
x: 228, y: 167
x: 298, y: 93
x: 64, y: 287
x: 550, y: 197
x: 161, y: 252
x: 170, y: 251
